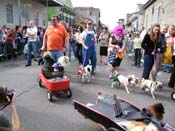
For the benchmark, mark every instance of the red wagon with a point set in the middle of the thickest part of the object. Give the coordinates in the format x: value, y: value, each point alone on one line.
x: 55, y: 85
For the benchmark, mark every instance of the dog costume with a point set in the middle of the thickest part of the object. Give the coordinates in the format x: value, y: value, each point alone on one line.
x: 85, y: 72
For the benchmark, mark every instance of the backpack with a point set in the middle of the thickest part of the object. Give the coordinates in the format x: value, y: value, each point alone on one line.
x: 89, y: 40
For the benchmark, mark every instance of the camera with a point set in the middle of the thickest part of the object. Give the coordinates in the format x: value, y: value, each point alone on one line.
x: 4, y: 92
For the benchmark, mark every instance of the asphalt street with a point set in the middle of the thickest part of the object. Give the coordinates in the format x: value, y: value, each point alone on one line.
x: 38, y: 114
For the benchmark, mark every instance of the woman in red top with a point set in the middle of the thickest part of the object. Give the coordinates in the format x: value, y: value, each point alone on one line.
x: 9, y: 41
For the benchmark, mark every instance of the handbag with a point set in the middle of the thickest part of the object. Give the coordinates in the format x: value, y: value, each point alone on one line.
x: 112, y: 55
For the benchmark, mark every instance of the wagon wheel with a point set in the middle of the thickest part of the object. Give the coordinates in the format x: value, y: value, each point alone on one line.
x: 173, y: 95
x: 69, y: 93
x: 40, y: 83
x: 49, y: 96
x: 112, y: 129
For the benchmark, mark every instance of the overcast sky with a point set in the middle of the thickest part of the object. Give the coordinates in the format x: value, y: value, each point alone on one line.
x: 111, y: 10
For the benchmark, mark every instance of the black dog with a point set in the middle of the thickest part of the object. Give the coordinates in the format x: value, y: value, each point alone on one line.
x: 47, y: 68
x: 47, y: 60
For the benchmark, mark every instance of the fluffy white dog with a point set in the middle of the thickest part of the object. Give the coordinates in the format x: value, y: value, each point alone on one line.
x: 151, y: 86
x: 63, y: 60
x: 61, y: 63
x: 124, y: 80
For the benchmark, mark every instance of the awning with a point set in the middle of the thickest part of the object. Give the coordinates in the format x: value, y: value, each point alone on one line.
x: 68, y: 10
x: 50, y: 2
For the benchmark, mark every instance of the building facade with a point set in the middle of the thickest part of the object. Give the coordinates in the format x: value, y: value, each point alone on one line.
x: 65, y: 12
x: 134, y: 21
x: 20, y: 12
x: 88, y: 13
x: 159, y: 11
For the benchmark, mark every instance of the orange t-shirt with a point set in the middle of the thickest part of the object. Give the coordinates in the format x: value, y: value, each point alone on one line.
x: 55, y: 37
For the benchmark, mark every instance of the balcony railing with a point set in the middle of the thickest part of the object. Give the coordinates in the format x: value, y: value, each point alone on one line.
x: 50, y: 2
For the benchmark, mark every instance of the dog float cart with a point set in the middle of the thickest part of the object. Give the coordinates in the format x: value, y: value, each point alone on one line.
x: 113, y: 114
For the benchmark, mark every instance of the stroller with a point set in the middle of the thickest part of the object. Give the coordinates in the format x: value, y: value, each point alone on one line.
x: 115, y: 114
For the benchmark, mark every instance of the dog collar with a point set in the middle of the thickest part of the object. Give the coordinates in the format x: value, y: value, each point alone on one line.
x: 117, y: 75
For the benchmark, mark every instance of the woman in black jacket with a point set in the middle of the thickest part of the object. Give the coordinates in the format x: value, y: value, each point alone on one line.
x: 151, y: 45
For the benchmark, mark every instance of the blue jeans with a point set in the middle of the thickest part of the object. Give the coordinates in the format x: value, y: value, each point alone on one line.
x: 19, y: 46
x: 148, y: 64
x: 56, y: 54
x: 89, y: 54
x: 137, y: 56
x: 1, y: 47
x: 31, y: 47
x: 72, y: 46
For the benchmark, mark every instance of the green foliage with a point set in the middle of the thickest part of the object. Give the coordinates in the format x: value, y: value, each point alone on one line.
x: 52, y: 11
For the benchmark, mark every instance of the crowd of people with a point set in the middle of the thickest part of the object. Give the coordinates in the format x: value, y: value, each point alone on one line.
x: 15, y: 41
x: 155, y: 46
x: 156, y: 49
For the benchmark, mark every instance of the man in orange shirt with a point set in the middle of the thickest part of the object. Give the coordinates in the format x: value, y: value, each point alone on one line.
x: 55, y: 39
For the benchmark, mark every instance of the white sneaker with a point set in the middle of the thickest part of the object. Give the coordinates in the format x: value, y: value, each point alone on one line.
x: 110, y: 76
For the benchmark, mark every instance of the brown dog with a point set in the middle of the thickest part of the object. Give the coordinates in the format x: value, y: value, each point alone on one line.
x: 156, y: 110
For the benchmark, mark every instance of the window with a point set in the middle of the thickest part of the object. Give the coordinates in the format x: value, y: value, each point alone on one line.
x: 158, y: 14
x: 44, y: 20
x: 153, y: 10
x: 36, y: 18
x: 9, y: 12
x: 146, y: 21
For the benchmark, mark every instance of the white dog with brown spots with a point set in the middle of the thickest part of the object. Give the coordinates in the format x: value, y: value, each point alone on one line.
x: 151, y: 86
x: 124, y: 80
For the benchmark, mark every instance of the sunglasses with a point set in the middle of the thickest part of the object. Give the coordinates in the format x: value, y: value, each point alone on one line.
x: 89, y: 23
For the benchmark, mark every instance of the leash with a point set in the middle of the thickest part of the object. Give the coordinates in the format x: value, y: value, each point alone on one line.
x: 85, y: 55
x: 155, y: 56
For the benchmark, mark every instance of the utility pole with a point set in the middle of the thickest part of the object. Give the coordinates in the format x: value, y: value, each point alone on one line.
x: 19, y: 11
x: 25, y: 12
x: 47, y: 12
